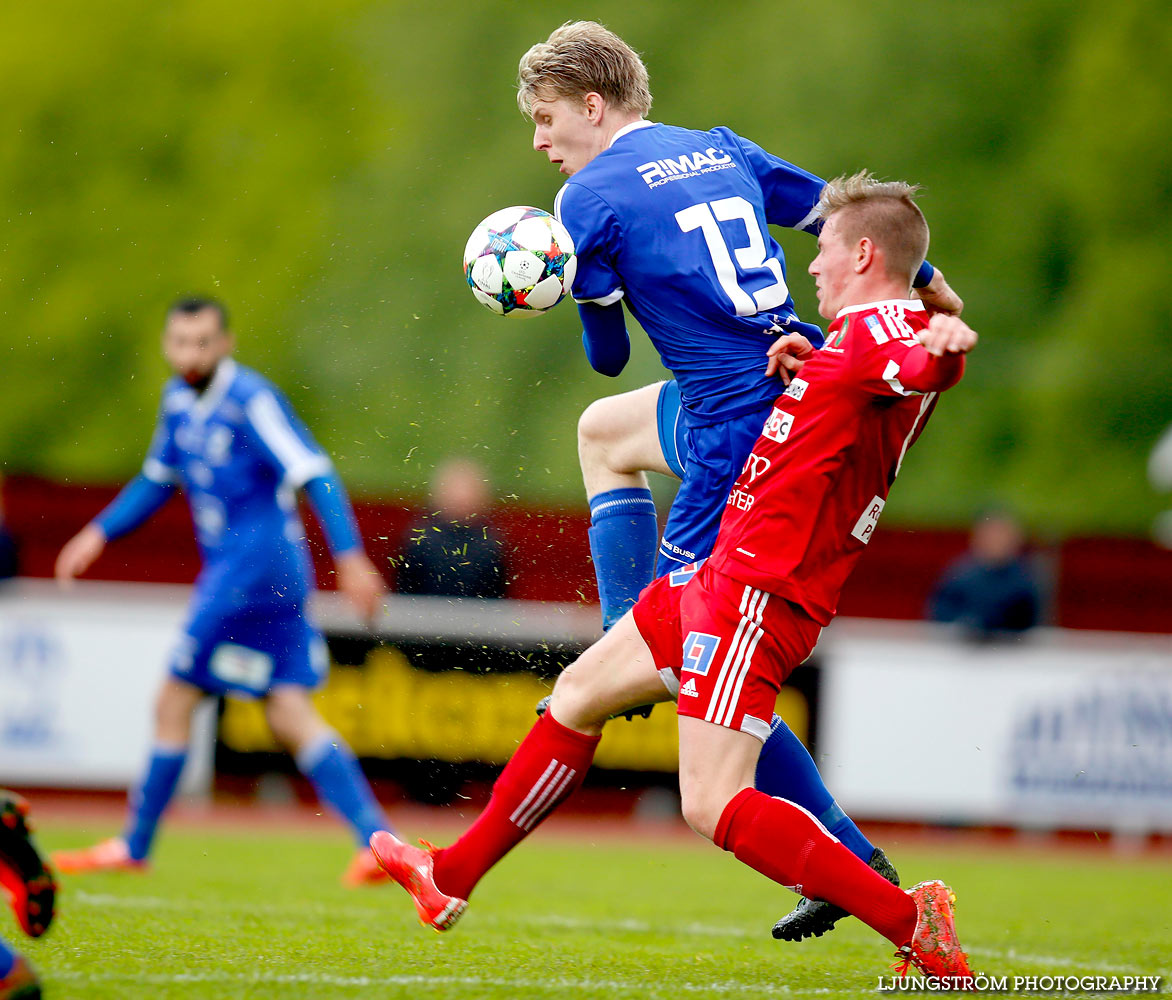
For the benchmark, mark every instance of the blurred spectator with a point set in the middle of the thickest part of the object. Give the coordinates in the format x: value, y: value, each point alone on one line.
x: 8, y: 561
x: 1160, y: 476
x: 991, y: 589
x: 454, y: 551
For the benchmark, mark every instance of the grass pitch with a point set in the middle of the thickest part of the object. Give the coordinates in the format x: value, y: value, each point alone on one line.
x: 246, y: 914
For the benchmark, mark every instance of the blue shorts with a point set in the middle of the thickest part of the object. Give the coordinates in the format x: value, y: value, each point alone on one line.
x: 248, y: 652
x: 673, y: 440
x: 712, y: 458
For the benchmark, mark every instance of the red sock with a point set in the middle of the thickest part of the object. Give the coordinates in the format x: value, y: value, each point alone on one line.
x: 548, y: 766
x: 785, y: 843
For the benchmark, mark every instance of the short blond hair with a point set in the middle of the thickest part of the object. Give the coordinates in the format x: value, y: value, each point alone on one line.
x: 582, y: 57
x: 883, y: 211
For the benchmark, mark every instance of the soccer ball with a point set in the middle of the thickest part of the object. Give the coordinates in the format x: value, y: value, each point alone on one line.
x: 520, y: 260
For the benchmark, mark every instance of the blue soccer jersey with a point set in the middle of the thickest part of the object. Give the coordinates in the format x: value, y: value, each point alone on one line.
x: 675, y: 223
x: 240, y: 453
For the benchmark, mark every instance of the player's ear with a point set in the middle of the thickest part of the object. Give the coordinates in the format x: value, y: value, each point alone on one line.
x: 595, y: 104
x: 864, y: 255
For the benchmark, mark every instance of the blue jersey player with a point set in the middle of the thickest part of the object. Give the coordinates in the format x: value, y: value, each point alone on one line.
x: 673, y: 222
x: 229, y: 439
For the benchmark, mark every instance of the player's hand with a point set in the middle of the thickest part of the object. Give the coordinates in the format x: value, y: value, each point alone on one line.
x: 361, y: 583
x: 787, y: 355
x: 948, y: 335
x: 79, y: 553
x: 939, y: 297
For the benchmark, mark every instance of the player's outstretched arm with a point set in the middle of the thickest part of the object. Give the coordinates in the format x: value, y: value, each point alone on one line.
x: 358, y: 578
x: 139, y: 499
x: 937, y: 362
x: 948, y: 335
x: 79, y: 553
x: 361, y: 582
x: 939, y: 297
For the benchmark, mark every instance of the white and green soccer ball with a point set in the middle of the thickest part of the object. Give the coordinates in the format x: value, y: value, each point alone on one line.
x: 520, y: 261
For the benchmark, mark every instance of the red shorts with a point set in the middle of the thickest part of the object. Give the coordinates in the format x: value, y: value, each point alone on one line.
x: 723, y: 648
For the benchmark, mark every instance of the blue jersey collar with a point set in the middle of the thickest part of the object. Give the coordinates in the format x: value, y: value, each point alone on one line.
x: 628, y: 129
x: 206, y: 403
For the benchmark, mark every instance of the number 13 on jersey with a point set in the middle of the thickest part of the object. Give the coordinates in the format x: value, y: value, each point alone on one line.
x: 707, y: 217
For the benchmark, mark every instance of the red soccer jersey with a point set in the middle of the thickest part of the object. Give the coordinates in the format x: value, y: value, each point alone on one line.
x: 811, y: 492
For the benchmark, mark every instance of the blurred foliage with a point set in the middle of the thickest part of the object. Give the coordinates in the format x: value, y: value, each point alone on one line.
x: 320, y: 166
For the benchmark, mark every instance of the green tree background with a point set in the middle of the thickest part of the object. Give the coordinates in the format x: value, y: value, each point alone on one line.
x: 319, y: 167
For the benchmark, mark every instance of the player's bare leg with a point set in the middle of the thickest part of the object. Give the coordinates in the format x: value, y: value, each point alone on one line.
x: 149, y: 799
x: 615, y: 673
x: 323, y: 757
x: 293, y: 719
x: 708, y: 783
x: 173, y: 710
x: 785, y: 843
x: 618, y: 443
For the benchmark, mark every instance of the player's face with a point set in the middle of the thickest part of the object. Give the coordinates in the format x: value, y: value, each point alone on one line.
x: 832, y: 269
x: 566, y: 131
x: 194, y: 343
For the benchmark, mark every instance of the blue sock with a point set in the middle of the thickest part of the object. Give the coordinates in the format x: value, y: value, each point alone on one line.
x: 786, y: 770
x: 338, y: 780
x: 624, y: 535
x: 7, y: 958
x: 151, y: 797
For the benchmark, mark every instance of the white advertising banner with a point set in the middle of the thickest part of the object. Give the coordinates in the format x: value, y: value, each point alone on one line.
x: 79, y: 671
x: 1058, y: 729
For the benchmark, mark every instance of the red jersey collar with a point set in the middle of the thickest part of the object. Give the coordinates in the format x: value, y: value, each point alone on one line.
x: 909, y: 305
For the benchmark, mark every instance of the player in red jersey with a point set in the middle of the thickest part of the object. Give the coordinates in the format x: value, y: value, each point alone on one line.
x: 722, y: 636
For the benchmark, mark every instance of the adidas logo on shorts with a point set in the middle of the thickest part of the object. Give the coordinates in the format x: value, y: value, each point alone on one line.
x: 688, y: 690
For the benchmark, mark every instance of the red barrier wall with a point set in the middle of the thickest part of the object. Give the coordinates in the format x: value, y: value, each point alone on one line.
x: 1122, y: 584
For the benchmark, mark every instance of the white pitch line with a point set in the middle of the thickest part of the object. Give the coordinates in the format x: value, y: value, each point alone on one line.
x: 708, y: 930
x: 635, y: 926
x: 325, y: 979
x: 1064, y: 963
x: 106, y: 900
x: 562, y: 921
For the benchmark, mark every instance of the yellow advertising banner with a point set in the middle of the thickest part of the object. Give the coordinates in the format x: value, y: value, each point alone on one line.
x: 388, y: 709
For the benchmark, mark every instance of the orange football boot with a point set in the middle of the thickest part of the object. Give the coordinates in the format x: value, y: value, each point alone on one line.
x: 107, y: 856
x: 934, y: 948
x: 364, y: 869
x: 412, y: 868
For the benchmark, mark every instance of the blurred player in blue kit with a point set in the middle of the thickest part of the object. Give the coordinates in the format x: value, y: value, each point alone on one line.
x: 674, y: 222
x: 232, y: 442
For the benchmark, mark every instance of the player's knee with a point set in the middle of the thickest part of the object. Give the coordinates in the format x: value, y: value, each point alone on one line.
x: 575, y: 701
x: 701, y: 808
x: 598, y: 429
x: 291, y: 719
x: 173, y: 708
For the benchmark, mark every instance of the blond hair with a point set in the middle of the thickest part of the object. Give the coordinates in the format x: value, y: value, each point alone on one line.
x: 582, y: 57
x: 883, y: 211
